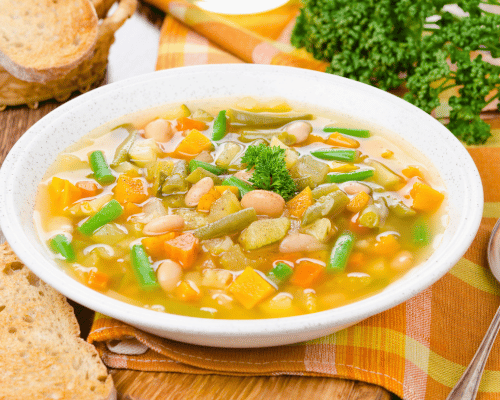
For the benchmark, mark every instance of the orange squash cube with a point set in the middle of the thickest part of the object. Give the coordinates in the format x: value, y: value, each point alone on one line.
x: 300, y: 203
x: 249, y: 288
x: 128, y: 189
x: 425, y: 198
x: 183, y: 249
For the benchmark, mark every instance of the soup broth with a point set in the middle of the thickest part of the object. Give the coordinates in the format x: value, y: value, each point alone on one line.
x: 239, y: 209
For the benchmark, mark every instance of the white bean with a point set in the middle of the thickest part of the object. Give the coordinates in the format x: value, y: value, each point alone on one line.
x: 300, y: 130
x: 264, y: 202
x: 355, y: 187
x: 163, y: 224
x: 160, y: 130
x: 203, y: 186
x: 244, y: 175
x: 402, y: 261
x: 169, y: 274
x: 300, y: 242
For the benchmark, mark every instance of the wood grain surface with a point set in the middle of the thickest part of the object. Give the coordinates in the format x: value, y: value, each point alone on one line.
x: 136, y: 385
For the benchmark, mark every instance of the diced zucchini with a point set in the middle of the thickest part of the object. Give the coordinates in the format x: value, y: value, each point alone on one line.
x: 192, y: 219
x: 202, y: 115
x: 263, y: 232
x: 126, y: 167
x: 225, y: 205
x: 323, y: 190
x: 143, y: 152
x: 234, y: 258
x: 174, y: 201
x: 397, y: 207
x: 229, y: 151
x: 307, y: 167
x: 326, y: 206
x: 158, y: 172
x: 177, y: 112
x: 199, y: 173
x: 109, y: 234
x: 216, y: 278
x: 320, y: 229
x: 218, y: 245
x: 152, y: 209
x: 383, y: 175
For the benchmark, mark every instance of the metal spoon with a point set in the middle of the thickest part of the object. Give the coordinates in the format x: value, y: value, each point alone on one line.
x: 466, y: 387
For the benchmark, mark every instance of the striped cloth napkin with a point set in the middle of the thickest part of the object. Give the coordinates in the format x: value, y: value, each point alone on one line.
x: 417, y: 350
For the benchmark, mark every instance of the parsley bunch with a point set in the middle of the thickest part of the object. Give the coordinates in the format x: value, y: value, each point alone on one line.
x: 270, y: 169
x: 380, y: 42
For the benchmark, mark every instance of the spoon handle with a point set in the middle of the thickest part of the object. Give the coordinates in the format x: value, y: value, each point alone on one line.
x: 466, y: 387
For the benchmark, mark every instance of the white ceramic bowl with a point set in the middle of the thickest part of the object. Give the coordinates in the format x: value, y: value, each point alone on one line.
x: 36, y: 150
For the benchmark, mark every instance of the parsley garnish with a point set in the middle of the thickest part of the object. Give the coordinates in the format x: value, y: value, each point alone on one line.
x: 270, y: 169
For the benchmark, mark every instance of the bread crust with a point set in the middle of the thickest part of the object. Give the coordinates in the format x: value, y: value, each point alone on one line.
x: 41, y: 353
x: 45, y: 39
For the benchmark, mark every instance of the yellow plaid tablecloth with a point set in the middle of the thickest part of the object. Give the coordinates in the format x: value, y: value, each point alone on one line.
x: 418, y: 349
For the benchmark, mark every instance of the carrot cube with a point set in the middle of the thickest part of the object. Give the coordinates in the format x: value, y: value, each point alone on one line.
x: 183, y: 249
x: 155, y: 245
x: 386, y: 245
x: 425, y: 198
x: 358, y: 202
x: 412, y: 171
x: 130, y: 189
x: 337, y: 139
x: 63, y: 193
x: 193, y: 144
x: 88, y: 188
x: 207, y: 199
x: 185, y: 123
x: 97, y: 280
x: 222, y: 189
x: 249, y: 288
x: 306, y: 274
x: 356, y: 260
x: 299, y: 204
x: 187, y: 291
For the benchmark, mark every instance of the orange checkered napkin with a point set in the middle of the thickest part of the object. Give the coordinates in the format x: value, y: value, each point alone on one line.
x: 417, y: 349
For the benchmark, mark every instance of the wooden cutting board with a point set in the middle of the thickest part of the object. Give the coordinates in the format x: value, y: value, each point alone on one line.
x: 135, y: 385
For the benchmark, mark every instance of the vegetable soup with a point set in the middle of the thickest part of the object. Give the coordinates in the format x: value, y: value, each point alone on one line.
x: 238, y: 209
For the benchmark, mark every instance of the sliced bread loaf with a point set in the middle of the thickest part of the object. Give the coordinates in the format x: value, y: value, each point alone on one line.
x: 41, y: 40
x: 41, y: 353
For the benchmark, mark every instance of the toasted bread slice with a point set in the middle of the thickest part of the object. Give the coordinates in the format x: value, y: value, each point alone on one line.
x: 41, y: 40
x: 41, y: 353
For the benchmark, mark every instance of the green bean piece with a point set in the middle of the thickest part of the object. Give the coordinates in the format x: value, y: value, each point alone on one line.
x: 340, y: 252
x: 102, y: 172
x: 323, y: 190
x: 264, y: 119
x: 60, y: 244
x: 193, y: 164
x: 109, y: 212
x: 397, y: 207
x: 199, y: 173
x: 176, y: 182
x: 335, y: 154
x: 142, y: 268
x: 121, y: 152
x: 361, y: 133
x: 280, y: 273
x: 242, y: 186
x: 329, y: 205
x: 420, y: 233
x: 263, y: 232
x: 350, y: 176
x: 220, y: 126
x: 227, y: 225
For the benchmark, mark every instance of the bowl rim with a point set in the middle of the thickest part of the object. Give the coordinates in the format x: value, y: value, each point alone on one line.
x: 134, y: 315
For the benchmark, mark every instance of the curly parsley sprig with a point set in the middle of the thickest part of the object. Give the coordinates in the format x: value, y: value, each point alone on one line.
x: 270, y: 169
